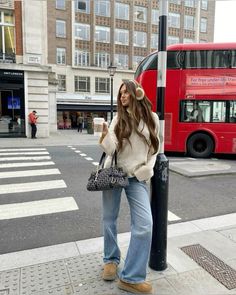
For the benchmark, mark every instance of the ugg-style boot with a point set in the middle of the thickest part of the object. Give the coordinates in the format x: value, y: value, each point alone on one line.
x: 140, y: 288
x: 109, y: 272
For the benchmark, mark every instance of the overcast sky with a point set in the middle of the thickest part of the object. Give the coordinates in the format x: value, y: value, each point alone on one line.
x: 225, y: 21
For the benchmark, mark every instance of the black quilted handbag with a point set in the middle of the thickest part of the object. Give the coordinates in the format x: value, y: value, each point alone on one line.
x: 107, y: 178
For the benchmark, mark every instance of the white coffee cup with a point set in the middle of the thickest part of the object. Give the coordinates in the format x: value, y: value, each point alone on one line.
x: 98, y: 126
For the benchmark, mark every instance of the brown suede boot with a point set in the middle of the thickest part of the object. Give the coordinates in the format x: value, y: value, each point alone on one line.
x: 139, y: 288
x: 109, y: 272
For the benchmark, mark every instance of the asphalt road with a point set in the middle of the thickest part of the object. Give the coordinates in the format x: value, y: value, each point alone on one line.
x: 189, y: 199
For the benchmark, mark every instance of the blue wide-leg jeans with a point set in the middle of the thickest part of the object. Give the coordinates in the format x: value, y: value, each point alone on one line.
x: 135, y: 266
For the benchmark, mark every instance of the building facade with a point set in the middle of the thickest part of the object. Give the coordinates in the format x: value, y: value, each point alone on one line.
x: 86, y: 36
x: 54, y: 54
x: 26, y: 81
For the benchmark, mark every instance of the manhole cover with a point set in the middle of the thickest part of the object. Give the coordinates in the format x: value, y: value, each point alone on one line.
x: 222, y: 272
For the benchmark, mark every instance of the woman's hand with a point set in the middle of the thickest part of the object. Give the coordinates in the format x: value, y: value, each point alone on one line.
x: 104, y: 131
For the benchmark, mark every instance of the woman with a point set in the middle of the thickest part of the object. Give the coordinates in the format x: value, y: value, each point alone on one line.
x: 134, y: 134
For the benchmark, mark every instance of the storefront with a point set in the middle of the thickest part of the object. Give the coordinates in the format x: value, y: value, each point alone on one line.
x: 71, y: 115
x: 12, y: 104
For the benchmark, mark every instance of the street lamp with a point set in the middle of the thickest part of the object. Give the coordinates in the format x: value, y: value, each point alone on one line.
x: 111, y: 71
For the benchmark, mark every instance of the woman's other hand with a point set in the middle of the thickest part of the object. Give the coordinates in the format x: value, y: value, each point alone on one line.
x: 104, y: 131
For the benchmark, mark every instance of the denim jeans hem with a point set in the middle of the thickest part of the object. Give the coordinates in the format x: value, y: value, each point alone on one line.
x: 112, y: 261
x: 131, y: 282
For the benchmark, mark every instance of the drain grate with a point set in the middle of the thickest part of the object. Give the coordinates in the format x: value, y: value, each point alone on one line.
x: 4, y: 291
x: 222, y: 272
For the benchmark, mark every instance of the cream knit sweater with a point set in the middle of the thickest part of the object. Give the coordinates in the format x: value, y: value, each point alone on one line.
x: 135, y: 159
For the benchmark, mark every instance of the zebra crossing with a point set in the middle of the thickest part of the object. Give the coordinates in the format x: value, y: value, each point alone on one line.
x: 25, y: 162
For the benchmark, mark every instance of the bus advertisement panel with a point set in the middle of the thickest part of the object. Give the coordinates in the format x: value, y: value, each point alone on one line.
x: 200, y: 99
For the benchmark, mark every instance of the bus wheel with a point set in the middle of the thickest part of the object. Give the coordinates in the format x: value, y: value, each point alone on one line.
x: 200, y: 145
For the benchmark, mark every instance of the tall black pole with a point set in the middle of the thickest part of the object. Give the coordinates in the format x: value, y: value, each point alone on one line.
x: 111, y: 98
x: 160, y: 180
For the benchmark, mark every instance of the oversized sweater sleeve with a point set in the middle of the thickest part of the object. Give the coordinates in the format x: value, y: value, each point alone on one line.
x: 109, y: 142
x: 145, y: 172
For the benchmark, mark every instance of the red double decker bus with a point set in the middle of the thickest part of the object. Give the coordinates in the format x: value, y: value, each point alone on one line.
x: 200, y: 99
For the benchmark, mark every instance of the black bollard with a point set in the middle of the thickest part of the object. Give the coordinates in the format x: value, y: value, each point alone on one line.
x: 159, y: 206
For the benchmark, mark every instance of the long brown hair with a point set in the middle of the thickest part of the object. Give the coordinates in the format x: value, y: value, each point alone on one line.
x: 128, y: 121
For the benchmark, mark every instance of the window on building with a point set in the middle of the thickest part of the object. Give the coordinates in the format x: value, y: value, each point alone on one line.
x: 203, y: 25
x: 82, y: 31
x: 81, y: 58
x: 82, y: 6
x: 190, y: 3
x: 174, y: 20
x: 121, y: 36
x: 189, y: 22
x: 102, y: 7
x: 202, y: 41
x: 154, y: 41
x: 102, y: 59
x: 60, y: 28
x: 82, y: 84
x: 122, y: 11
x: 102, y: 85
x: 61, y: 56
x: 155, y: 16
x: 173, y: 40
x: 7, y: 36
x: 140, y: 14
x: 204, y: 4
x: 102, y: 34
x: 175, y: 1
x: 188, y: 40
x: 140, y: 39
x: 136, y: 60
x: 61, y: 82
x: 121, y: 61
x: 60, y: 4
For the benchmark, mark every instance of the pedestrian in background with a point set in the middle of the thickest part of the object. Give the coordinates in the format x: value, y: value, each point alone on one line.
x: 33, y: 121
x: 80, y: 122
x: 133, y: 133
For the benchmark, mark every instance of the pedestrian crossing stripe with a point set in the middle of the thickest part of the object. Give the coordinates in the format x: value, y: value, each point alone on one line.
x: 22, y: 149
x: 24, y: 153
x: 25, y: 158
x: 31, y: 186
x: 26, y: 164
x: 29, y: 173
x: 48, y: 206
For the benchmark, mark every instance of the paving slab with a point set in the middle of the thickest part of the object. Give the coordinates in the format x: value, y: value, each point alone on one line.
x: 203, y: 167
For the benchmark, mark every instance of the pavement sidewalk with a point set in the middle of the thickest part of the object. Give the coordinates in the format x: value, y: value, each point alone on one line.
x: 75, y: 268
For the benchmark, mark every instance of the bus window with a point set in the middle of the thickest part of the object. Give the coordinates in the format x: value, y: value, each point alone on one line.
x: 149, y: 63
x: 233, y: 58
x: 218, y: 59
x: 232, y: 113
x: 175, y: 59
x: 195, y: 59
x: 219, y: 111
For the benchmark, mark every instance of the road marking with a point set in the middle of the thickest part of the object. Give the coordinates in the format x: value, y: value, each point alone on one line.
x: 73, y: 148
x: 89, y: 159
x: 26, y: 173
x: 31, y: 186
x: 24, y: 153
x: 34, y: 208
x: 25, y: 149
x: 26, y: 158
x: 31, y: 164
x: 83, y: 155
x: 78, y: 151
x: 95, y: 163
x: 172, y: 216
x: 69, y: 146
